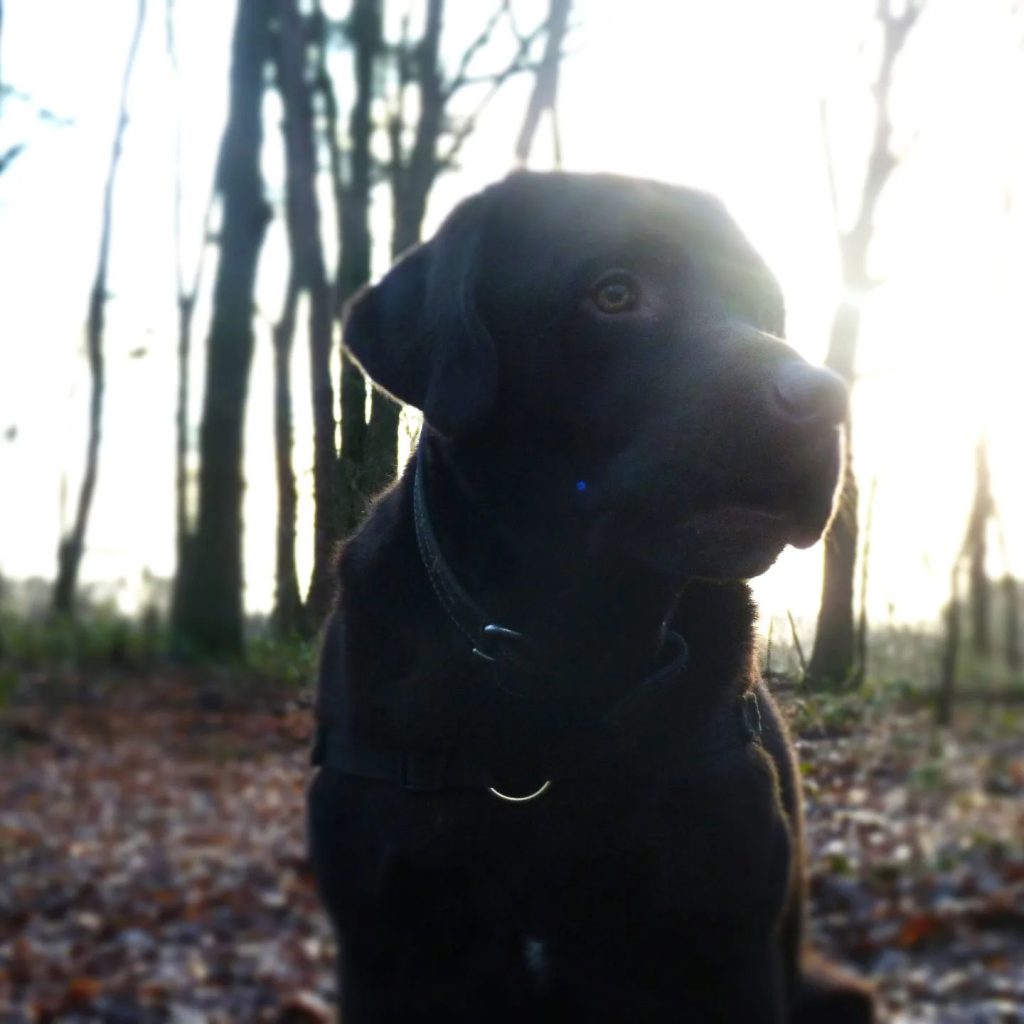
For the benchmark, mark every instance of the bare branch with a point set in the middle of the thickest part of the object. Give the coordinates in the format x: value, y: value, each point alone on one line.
x: 517, y: 63
x: 515, y: 67
x: 412, y: 185
x: 323, y: 87
x: 483, y: 38
x: 395, y: 122
x: 9, y: 155
x: 186, y: 298
x: 545, y: 86
x: 43, y: 113
x: 882, y: 160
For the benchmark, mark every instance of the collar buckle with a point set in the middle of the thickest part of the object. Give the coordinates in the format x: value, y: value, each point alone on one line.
x: 501, y: 636
x: 517, y: 669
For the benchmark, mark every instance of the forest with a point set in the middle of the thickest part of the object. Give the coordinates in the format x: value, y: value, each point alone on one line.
x: 190, y: 196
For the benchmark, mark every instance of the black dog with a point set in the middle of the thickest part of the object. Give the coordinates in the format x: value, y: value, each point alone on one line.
x: 549, y: 605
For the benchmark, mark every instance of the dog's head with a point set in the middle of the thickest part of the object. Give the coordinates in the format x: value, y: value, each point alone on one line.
x: 631, y: 328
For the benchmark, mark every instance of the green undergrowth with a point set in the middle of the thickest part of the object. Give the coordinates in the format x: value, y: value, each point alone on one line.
x: 100, y: 644
x: 98, y: 636
x: 291, y: 660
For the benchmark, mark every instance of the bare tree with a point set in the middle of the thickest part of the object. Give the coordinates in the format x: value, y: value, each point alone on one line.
x: 351, y: 178
x: 294, y: 73
x: 421, y: 152
x: 288, y: 616
x: 42, y: 113
x: 861, y: 666
x: 950, y: 654
x: 1014, y: 655
x: 72, y: 546
x: 403, y: 75
x: 833, y: 659
x: 208, y: 609
x: 186, y: 293
x: 975, y: 552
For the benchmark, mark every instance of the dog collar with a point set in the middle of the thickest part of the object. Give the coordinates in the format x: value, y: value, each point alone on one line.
x: 515, y: 659
x: 488, y: 639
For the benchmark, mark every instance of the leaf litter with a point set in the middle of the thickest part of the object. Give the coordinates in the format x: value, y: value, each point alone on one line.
x: 153, y: 868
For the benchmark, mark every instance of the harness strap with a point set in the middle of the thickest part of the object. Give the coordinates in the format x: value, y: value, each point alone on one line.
x: 733, y: 728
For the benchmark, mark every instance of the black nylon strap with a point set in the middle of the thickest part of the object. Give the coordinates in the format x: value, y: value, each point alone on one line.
x: 733, y: 728
x: 466, y: 615
x: 489, y: 640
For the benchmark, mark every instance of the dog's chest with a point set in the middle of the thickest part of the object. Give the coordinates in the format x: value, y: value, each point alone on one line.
x: 716, y: 839
x: 621, y: 858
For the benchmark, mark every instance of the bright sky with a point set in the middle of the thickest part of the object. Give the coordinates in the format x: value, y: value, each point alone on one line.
x: 725, y: 95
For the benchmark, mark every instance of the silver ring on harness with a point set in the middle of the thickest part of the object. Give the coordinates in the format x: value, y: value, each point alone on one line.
x: 521, y: 799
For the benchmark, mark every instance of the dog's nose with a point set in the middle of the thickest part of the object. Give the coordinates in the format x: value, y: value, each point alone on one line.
x: 806, y: 393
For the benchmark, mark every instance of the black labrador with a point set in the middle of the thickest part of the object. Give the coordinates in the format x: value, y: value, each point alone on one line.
x: 552, y: 785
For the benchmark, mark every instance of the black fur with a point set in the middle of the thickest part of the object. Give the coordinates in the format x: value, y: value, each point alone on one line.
x: 595, y: 478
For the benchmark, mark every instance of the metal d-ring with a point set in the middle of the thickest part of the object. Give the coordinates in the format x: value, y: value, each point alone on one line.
x: 521, y: 799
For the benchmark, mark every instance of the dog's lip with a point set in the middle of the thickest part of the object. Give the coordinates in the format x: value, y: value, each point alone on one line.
x: 751, y: 511
x: 747, y: 513
x: 742, y: 518
x: 767, y: 520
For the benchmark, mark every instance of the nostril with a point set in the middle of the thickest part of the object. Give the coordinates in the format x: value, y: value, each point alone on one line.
x: 806, y: 392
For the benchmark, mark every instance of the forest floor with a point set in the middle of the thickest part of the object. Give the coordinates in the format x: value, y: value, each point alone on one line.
x: 152, y: 862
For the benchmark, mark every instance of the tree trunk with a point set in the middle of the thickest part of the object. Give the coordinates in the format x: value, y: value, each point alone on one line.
x: 187, y: 292
x: 832, y: 664
x: 369, y: 450
x: 303, y: 222
x: 411, y: 182
x: 288, y: 616
x: 72, y: 546
x: 1011, y: 611
x: 208, y: 612
x: 833, y: 661
x: 980, y: 593
x: 950, y: 656
x: 380, y: 460
x: 545, y: 83
x: 354, y: 260
x: 862, y: 619
x: 186, y: 304
x: 979, y: 589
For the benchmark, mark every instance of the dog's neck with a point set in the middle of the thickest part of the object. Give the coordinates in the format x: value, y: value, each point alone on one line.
x: 510, y: 528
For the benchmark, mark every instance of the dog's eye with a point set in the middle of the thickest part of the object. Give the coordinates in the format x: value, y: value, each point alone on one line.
x: 615, y: 293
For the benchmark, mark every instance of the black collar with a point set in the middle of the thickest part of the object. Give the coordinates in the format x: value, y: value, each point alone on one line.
x: 513, y: 657
x: 488, y: 639
x: 518, y: 666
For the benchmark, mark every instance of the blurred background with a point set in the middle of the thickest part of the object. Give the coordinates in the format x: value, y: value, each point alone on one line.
x: 189, y: 194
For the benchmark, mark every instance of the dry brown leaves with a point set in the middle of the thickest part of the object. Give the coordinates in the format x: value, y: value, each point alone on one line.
x: 153, y: 866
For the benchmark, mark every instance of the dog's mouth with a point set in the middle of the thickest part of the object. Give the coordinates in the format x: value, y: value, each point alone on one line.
x: 740, y: 517
x: 772, y: 522
x: 741, y: 535
x: 719, y: 524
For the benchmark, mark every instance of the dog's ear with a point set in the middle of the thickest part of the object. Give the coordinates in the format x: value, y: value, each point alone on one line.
x: 417, y: 332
